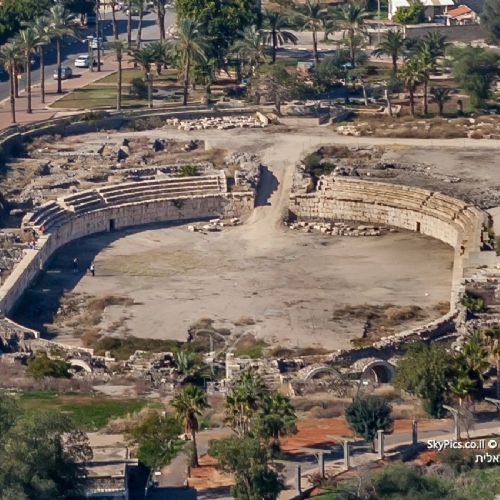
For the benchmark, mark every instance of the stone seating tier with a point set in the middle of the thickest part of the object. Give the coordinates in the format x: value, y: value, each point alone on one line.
x: 157, y: 194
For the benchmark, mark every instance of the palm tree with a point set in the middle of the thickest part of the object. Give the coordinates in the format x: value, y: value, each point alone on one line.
x: 440, y: 95
x: 250, y: 45
x: 129, y: 24
x: 113, y: 4
x: 19, y: 66
x: 10, y: 57
x: 351, y: 21
x: 462, y: 386
x: 161, y: 51
x: 275, y: 36
x: 62, y: 23
x: 119, y: 47
x: 392, y: 45
x: 246, y: 394
x: 141, y: 6
x: 428, y: 51
x: 27, y: 40
x: 276, y: 419
x: 159, y: 8
x: 474, y: 359
x: 411, y: 77
x: 145, y: 58
x: 311, y: 17
x: 191, y: 45
x: 189, y: 404
x: 492, y: 336
x: 41, y: 26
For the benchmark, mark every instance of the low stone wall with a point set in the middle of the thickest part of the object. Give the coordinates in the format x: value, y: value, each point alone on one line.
x: 452, y: 33
x: 447, y: 219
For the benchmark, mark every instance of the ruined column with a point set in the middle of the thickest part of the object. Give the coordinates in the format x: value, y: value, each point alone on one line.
x: 347, y: 452
x: 321, y: 464
x: 380, y: 444
x: 414, y: 432
x: 457, y: 426
x: 298, y: 479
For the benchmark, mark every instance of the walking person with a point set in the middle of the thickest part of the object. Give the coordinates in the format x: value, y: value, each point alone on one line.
x: 92, y: 268
x: 75, y: 265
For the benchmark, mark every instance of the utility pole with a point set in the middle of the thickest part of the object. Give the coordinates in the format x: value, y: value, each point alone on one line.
x: 97, y: 14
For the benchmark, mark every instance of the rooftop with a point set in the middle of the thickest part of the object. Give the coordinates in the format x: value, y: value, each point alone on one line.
x: 459, y: 11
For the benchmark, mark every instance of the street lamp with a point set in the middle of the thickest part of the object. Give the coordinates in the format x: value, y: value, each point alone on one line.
x: 90, y: 52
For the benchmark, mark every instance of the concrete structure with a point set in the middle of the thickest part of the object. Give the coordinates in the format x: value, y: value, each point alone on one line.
x: 432, y: 7
x: 115, y: 207
x: 462, y: 15
x: 108, y: 473
x: 431, y: 213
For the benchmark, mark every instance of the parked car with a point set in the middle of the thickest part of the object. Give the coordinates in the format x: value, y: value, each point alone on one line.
x: 65, y: 73
x: 133, y: 12
x: 83, y: 61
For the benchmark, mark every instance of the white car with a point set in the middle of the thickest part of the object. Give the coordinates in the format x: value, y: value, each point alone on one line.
x: 96, y: 43
x: 82, y: 61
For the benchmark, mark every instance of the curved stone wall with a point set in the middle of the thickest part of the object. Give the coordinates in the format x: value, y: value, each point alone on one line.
x: 452, y: 221
x: 117, y: 207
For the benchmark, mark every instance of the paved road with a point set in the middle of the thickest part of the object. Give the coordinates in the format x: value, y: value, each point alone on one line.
x: 73, y: 48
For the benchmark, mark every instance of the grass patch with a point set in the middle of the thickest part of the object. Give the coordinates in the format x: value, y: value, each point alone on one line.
x: 129, y: 74
x: 249, y: 346
x: 95, y: 97
x: 89, y: 413
x: 123, y: 348
x: 442, y: 308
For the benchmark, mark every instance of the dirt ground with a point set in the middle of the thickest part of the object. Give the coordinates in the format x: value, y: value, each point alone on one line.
x: 289, y: 287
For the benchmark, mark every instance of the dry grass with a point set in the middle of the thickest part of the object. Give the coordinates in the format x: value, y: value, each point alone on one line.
x: 442, y: 308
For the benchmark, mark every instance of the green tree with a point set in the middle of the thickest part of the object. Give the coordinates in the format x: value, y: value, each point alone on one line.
x: 249, y: 463
x: 275, y: 34
x: 414, y: 14
x: 9, y: 413
x: 475, y: 70
x: 424, y: 372
x: 367, y: 415
x: 189, y: 404
x: 28, y: 41
x: 250, y: 46
x: 10, y: 57
x: 191, y: 45
x: 42, y: 28
x: 490, y: 19
x: 411, y: 75
x: 461, y: 385
x: 392, y: 45
x: 14, y: 13
x: 473, y: 361
x: 351, y: 21
x: 43, y: 457
x: 275, y: 419
x: 222, y: 21
x: 157, y: 439
x: 41, y: 366
x: 492, y: 337
x: 242, y: 402
x: 311, y: 17
x: 398, y: 481
x: 440, y: 95
x: 62, y: 23
x: 119, y: 47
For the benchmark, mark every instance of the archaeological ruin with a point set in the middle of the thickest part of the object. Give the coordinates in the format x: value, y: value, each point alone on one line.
x: 112, y: 181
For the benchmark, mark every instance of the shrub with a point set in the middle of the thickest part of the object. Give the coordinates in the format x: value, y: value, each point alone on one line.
x: 187, y: 171
x: 139, y: 88
x: 474, y: 304
x: 42, y: 366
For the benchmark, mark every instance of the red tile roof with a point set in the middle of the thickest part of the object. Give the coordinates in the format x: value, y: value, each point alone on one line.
x: 459, y: 11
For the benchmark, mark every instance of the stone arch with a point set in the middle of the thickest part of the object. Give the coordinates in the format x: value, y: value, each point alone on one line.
x: 379, y: 371
x: 79, y: 363
x: 312, y: 371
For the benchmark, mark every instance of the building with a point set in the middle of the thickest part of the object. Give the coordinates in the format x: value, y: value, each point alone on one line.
x: 108, y: 473
x: 433, y: 8
x: 461, y: 16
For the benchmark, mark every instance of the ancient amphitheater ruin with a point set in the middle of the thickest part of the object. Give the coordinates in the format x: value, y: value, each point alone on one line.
x: 331, y: 199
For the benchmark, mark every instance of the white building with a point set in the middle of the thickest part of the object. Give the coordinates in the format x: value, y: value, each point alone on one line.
x: 432, y: 7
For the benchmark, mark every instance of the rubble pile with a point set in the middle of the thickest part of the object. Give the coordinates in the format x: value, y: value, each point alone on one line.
x: 219, y: 123
x: 340, y: 228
